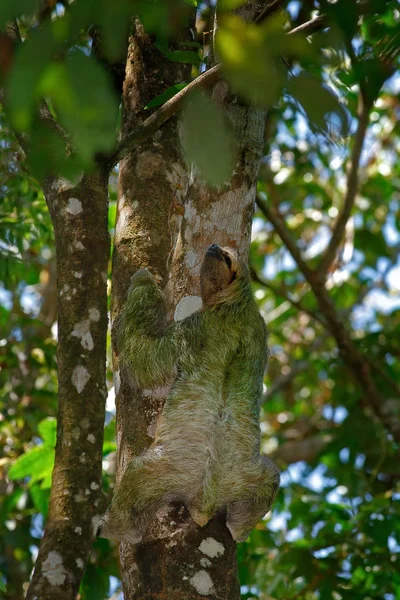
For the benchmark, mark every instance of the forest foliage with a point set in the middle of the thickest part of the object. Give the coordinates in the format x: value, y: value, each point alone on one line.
x: 334, y: 532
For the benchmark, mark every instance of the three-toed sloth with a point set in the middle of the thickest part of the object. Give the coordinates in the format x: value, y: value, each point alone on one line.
x: 206, y: 452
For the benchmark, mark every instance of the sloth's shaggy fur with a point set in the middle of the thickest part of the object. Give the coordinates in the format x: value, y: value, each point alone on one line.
x: 207, y: 447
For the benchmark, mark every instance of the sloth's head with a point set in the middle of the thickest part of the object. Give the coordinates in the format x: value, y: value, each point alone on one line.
x: 221, y: 271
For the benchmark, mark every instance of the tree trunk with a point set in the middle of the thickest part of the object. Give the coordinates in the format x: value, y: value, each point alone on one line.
x: 79, y: 215
x: 166, y: 219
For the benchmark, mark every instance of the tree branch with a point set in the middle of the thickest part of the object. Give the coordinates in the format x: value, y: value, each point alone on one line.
x: 351, y: 192
x: 309, y: 27
x: 269, y: 10
x: 283, y: 380
x: 354, y: 360
x: 295, y: 450
x: 286, y: 236
x: 165, y: 112
x: 283, y: 294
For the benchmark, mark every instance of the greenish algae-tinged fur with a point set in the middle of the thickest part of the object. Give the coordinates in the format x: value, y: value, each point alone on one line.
x: 206, y: 452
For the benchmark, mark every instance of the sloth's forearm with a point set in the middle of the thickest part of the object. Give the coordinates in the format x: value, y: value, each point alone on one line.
x: 150, y: 361
x: 146, y: 348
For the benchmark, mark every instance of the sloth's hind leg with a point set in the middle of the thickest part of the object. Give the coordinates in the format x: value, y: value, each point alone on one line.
x: 149, y: 481
x: 258, y: 495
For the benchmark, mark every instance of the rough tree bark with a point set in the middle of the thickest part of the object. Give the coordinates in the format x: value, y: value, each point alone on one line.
x: 79, y: 215
x: 166, y: 218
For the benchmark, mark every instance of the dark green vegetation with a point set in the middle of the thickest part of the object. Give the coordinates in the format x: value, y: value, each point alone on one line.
x: 331, y: 416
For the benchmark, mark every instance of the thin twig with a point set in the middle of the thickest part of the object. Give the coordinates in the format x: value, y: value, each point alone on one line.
x: 351, y: 191
x: 283, y: 380
x: 309, y: 27
x: 269, y: 10
x: 279, y: 225
x: 284, y: 294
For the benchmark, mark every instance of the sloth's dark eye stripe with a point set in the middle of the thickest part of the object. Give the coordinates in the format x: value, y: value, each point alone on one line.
x: 228, y: 260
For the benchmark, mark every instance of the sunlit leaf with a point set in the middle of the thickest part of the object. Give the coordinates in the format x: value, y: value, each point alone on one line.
x: 23, y: 82
x: 48, y: 429
x: 250, y: 56
x: 36, y: 464
x: 319, y: 102
x: 12, y: 10
x: 169, y: 93
x: 40, y: 498
x: 229, y: 4
x: 184, y: 56
x: 207, y: 139
x: 84, y: 99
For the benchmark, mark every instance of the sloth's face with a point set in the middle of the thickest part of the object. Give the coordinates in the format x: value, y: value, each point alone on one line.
x: 218, y: 270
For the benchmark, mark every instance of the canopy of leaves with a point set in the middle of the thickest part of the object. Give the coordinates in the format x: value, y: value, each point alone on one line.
x: 334, y: 532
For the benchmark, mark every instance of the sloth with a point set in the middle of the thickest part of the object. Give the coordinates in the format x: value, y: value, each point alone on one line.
x: 206, y: 452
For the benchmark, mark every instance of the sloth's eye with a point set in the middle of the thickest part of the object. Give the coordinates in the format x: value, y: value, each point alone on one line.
x: 228, y: 261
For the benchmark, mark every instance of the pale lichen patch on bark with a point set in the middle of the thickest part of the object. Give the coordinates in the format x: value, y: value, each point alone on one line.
x: 80, y: 377
x: 80, y: 563
x: 82, y: 331
x: 124, y: 218
x: 177, y: 177
x: 53, y: 569
x: 95, y: 523
x: 91, y: 438
x: 211, y: 548
x: 205, y: 562
x: 192, y: 259
x: 94, y: 314
x: 202, y: 583
x: 74, y: 206
x: 192, y: 218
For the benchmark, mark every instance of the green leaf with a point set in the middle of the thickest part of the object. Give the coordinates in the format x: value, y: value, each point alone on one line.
x: 227, y: 5
x: 47, y: 154
x: 36, y: 464
x: 22, y: 92
x: 9, y: 503
x: 207, y: 139
x: 12, y: 9
x: 95, y: 583
x: 115, y: 18
x: 190, y: 44
x: 250, y: 56
x: 48, y: 430
x: 318, y: 101
x: 40, y: 498
x: 191, y: 2
x: 83, y: 97
x: 109, y: 447
x: 169, y: 93
x: 184, y: 56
